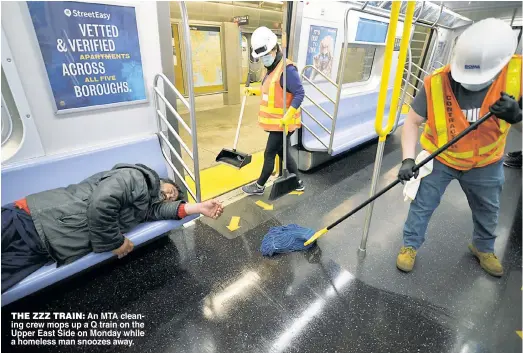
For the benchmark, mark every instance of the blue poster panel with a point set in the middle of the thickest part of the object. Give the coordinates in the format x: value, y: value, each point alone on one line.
x: 320, y: 50
x: 91, y: 53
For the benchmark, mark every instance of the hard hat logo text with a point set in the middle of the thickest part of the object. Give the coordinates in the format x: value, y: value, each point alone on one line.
x: 472, y: 67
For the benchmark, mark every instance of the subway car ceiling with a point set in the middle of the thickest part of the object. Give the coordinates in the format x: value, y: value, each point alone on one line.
x: 260, y: 13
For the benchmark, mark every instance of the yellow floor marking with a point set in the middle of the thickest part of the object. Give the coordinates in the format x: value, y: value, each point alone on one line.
x: 222, y: 178
x: 296, y: 193
x: 265, y: 206
x: 520, y: 334
x: 234, y: 224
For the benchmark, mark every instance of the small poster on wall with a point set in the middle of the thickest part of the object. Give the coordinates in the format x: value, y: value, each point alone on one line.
x: 320, y: 50
x: 91, y: 53
x: 206, y: 58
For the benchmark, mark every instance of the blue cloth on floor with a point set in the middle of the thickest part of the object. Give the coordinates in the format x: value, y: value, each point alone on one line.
x: 285, y: 239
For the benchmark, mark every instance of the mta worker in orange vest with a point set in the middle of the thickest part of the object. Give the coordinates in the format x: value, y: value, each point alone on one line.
x: 484, y: 75
x: 270, y: 118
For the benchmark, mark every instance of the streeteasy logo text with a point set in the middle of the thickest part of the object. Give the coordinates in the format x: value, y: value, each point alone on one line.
x: 93, y: 14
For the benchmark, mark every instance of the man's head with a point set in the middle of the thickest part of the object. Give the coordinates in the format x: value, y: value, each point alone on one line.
x: 170, y: 191
x: 264, y: 45
x: 481, y: 52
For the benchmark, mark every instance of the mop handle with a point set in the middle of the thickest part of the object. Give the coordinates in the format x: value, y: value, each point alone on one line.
x: 285, y: 128
x: 415, y: 168
x: 241, y: 113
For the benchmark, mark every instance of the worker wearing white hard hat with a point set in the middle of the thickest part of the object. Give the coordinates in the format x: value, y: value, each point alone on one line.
x: 484, y: 75
x: 270, y: 117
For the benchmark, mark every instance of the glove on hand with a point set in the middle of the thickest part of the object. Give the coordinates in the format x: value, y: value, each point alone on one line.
x: 252, y: 91
x: 507, y: 108
x: 405, y: 173
x: 288, y: 119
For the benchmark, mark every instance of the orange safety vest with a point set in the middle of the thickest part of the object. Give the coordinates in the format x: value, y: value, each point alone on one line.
x: 445, y: 120
x: 271, y: 105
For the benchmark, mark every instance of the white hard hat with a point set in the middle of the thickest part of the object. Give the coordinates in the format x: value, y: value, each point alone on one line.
x: 482, y: 51
x: 263, y: 40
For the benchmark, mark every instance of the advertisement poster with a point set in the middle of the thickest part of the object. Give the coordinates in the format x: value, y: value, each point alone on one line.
x: 91, y: 53
x: 320, y: 50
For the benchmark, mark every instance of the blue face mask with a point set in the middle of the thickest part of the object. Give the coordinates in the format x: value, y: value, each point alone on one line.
x: 267, y: 60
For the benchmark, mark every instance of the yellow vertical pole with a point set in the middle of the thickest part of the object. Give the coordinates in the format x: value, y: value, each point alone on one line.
x: 402, y: 58
x: 384, y: 84
x: 380, y: 130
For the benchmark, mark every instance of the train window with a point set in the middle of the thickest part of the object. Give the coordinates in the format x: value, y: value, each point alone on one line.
x: 358, y: 63
x: 8, y: 108
x: 12, y: 126
x: 7, y: 127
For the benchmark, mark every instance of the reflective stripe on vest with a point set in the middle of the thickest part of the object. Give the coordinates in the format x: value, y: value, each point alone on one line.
x: 271, y: 105
x: 465, y: 160
x: 276, y: 121
x: 272, y: 89
x: 439, y: 109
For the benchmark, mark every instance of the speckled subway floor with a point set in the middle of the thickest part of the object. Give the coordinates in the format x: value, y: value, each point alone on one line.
x: 201, y: 292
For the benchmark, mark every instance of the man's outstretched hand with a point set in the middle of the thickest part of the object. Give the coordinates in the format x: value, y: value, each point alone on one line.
x: 211, y: 208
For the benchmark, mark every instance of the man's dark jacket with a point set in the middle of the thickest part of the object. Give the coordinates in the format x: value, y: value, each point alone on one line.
x: 95, y: 214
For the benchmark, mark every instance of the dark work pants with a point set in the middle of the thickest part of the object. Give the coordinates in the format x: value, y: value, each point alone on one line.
x: 22, y: 250
x: 275, y: 147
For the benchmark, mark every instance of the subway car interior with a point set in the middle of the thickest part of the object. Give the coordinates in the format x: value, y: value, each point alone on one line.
x: 87, y: 86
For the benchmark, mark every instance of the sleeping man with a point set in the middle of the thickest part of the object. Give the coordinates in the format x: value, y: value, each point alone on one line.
x: 64, y: 224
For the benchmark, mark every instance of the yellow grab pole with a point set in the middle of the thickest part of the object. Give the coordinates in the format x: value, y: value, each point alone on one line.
x: 389, y: 50
x: 383, y: 132
x: 402, y: 58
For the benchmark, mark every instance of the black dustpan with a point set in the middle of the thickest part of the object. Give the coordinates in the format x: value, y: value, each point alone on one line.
x: 287, y: 182
x: 233, y: 157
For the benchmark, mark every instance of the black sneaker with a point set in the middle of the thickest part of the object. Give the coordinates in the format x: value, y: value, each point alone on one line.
x: 301, y: 186
x: 513, y: 160
x: 253, y: 189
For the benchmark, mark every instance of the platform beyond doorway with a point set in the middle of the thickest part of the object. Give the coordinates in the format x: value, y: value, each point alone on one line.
x: 216, y: 129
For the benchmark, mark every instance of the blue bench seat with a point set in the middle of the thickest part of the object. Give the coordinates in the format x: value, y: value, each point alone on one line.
x: 51, y: 172
x: 354, y: 125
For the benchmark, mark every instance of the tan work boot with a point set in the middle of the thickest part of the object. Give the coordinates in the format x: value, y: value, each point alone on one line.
x: 488, y: 261
x: 406, y: 259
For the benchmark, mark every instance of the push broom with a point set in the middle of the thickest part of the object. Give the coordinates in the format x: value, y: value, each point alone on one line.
x: 397, y: 181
